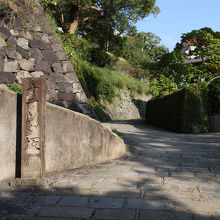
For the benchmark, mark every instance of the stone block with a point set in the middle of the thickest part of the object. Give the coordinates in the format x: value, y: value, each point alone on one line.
x: 2, y: 53
x: 23, y: 43
x: 21, y: 75
x: 77, y: 87
x: 5, y: 31
x: 71, y: 77
x: 120, y: 193
x: 65, y: 212
x: 57, y: 67
x: 63, y: 96
x: 44, y: 200
x: 109, y: 203
x: 2, y: 43
x: 45, y: 38
x: 74, y: 201
x: 12, y: 54
x: 81, y: 97
x: 23, y: 52
x: 61, y: 56
x: 44, y: 67
x: 165, y: 215
x: 18, y: 24
x: 47, y: 29
x: 27, y: 35
x: 58, y: 77
x: 149, y: 204
x: 57, y: 48
x: 6, y: 77
x: 51, y: 85
x: 36, y: 54
x: 67, y: 66
x: 11, y: 66
x: 12, y: 42
x: 14, y: 32
x: 123, y: 214
x: 49, y: 56
x: 27, y: 65
x: 39, y: 44
x: 1, y: 64
x: 65, y: 86
x: 37, y: 74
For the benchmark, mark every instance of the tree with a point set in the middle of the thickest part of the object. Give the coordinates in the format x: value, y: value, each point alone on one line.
x: 196, y: 58
x: 143, y: 48
x: 120, y: 14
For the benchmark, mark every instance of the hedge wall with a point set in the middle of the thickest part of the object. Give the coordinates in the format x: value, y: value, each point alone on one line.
x: 214, y: 97
x: 184, y: 111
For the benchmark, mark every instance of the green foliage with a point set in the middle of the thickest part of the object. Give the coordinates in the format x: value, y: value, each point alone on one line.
x: 162, y: 85
x: 143, y: 48
x: 75, y: 46
x: 180, y: 65
x: 4, y: 6
x: 101, y: 115
x: 121, y: 14
x: 121, y: 135
x: 103, y: 82
x: 100, y: 58
x: 4, y: 9
x: 14, y: 88
x: 183, y: 111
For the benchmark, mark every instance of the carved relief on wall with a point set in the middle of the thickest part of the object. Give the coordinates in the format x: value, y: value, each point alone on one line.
x: 33, y: 128
x: 32, y: 131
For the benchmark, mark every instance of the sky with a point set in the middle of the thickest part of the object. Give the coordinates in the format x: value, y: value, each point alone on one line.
x: 181, y: 16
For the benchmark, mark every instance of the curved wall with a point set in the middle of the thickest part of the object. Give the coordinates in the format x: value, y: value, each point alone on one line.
x: 74, y: 140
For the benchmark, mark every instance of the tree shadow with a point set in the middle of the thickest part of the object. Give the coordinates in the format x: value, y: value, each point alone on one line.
x: 164, y: 176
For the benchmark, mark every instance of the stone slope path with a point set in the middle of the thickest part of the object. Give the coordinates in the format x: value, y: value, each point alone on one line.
x: 164, y: 176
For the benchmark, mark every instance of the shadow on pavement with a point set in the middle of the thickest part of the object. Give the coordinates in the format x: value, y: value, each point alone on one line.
x: 164, y: 176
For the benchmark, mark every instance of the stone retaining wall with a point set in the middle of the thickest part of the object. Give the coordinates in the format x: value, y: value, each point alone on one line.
x: 29, y: 48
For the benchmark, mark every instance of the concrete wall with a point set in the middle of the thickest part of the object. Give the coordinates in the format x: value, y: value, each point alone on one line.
x: 74, y: 140
x: 8, y: 103
x: 214, y: 123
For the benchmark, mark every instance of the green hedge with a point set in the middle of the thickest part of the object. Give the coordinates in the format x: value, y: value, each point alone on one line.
x: 214, y: 97
x: 184, y: 111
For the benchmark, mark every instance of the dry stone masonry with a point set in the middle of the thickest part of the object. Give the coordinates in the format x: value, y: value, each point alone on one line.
x: 29, y: 48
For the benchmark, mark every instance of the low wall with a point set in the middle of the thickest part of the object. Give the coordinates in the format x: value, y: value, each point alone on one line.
x: 74, y: 140
x: 8, y: 103
x: 214, y: 123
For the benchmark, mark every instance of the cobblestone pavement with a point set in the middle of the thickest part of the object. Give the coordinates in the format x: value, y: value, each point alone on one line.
x: 164, y: 176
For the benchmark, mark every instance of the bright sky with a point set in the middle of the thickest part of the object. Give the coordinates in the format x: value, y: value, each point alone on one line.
x: 181, y: 16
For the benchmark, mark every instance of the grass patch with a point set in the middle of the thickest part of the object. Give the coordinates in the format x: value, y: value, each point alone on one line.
x: 121, y: 135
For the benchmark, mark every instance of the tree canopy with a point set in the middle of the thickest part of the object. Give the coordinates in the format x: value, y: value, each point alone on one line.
x: 116, y: 14
x: 196, y: 58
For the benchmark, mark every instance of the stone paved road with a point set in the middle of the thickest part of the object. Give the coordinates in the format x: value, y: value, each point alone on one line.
x: 164, y: 176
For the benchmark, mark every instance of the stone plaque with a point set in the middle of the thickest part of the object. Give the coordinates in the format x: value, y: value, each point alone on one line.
x: 33, y: 128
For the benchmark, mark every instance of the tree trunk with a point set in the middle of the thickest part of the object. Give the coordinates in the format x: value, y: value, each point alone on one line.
x: 74, y: 25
